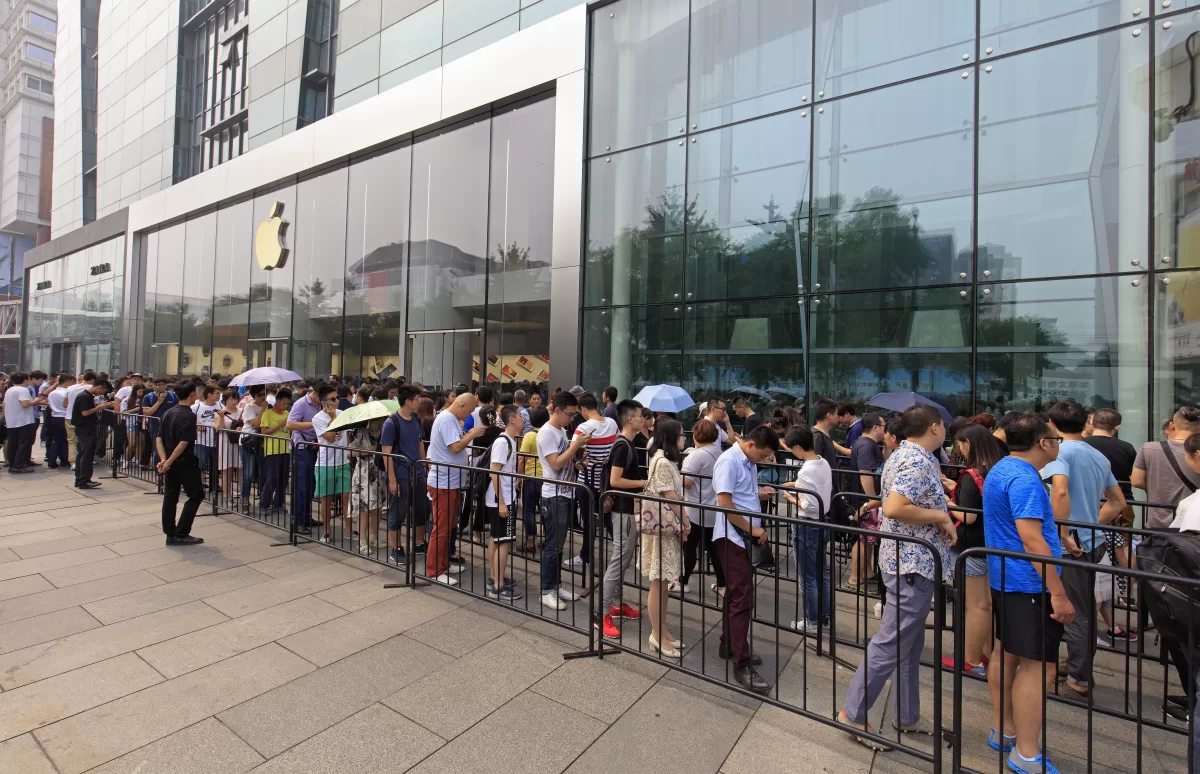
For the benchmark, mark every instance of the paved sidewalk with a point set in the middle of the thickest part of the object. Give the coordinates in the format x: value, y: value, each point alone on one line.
x: 121, y: 655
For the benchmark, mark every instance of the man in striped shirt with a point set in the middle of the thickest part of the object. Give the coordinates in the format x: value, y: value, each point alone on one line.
x: 603, y: 432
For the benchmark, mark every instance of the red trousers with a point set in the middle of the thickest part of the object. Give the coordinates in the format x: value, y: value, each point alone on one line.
x: 445, y: 514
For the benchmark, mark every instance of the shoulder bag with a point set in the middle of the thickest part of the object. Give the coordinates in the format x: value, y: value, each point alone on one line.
x: 1174, y: 463
x: 655, y: 517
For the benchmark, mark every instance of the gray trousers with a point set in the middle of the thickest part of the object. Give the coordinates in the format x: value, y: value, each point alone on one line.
x: 1081, y: 591
x: 624, y: 543
x: 895, y: 649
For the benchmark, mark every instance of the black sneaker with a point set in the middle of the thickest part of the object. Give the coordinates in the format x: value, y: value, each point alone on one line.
x: 398, y: 556
x: 184, y: 540
x: 419, y: 549
x: 458, y: 561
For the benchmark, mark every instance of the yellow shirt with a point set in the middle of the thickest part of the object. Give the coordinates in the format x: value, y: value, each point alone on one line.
x: 270, y: 418
x: 529, y: 447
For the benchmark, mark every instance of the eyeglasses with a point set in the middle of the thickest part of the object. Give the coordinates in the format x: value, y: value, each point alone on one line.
x: 1058, y: 438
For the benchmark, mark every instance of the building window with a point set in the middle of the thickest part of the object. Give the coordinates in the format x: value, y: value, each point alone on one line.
x: 39, y: 22
x: 36, y: 52
x: 213, y: 121
x: 39, y: 84
x: 320, y: 43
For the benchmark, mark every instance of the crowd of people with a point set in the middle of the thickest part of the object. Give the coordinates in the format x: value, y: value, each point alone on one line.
x: 527, y: 471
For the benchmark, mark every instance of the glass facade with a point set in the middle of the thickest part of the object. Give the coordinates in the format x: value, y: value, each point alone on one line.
x: 994, y: 203
x: 73, y: 314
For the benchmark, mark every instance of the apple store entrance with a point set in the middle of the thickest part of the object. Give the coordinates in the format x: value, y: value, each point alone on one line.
x: 443, y: 359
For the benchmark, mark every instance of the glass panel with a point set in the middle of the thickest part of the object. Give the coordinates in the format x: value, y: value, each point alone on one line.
x: 198, y: 268
x: 74, y: 302
x: 1062, y: 167
x: 375, y: 272
x: 540, y: 11
x: 1176, y: 342
x: 449, y: 229
x: 1040, y: 342
x: 749, y: 58
x: 465, y: 16
x: 149, y: 249
x: 630, y: 348
x: 484, y: 37
x: 635, y: 226
x: 231, y: 290
x: 271, y: 289
x: 748, y: 185
x: 411, y: 38
x: 521, y: 225
x: 1011, y: 25
x: 320, y: 274
x: 1176, y: 147
x: 893, y: 186
x: 639, y: 72
x: 866, y: 43
x: 757, y: 344
x: 169, y: 292
x: 894, y: 341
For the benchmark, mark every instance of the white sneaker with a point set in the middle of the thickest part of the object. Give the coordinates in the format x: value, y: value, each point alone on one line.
x: 549, y: 599
x: 566, y: 594
x: 446, y: 580
x: 574, y: 563
x: 456, y: 569
x: 805, y: 627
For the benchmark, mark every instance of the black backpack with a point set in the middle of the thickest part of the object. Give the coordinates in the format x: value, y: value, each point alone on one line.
x: 1174, y: 554
x: 481, y: 476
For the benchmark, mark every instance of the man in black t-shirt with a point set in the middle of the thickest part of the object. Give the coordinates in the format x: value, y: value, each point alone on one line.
x: 750, y: 419
x: 627, y: 473
x: 177, y: 449
x: 1120, y: 454
x: 84, y: 417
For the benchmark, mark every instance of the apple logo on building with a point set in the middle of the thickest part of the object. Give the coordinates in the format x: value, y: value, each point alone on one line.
x: 269, y: 247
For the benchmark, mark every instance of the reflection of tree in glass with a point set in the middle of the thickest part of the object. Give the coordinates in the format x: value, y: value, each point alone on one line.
x: 513, y: 257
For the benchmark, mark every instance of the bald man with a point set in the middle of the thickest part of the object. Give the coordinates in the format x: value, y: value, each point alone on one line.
x: 447, y: 447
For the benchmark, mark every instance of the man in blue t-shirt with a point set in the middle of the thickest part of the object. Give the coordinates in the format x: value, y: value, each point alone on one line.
x: 156, y: 405
x: 1019, y: 518
x: 402, y: 436
x: 1078, y: 479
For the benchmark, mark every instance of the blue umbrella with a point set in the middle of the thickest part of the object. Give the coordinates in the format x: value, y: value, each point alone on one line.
x: 902, y: 401
x: 265, y: 375
x: 664, y: 397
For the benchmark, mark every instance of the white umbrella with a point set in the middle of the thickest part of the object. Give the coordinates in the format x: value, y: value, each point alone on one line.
x: 265, y: 375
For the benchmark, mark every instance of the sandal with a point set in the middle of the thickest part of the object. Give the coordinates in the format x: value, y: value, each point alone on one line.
x: 851, y: 728
x: 719, y: 591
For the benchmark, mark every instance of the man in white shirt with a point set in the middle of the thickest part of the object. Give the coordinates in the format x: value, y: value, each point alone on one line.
x: 57, y: 454
x: 557, y: 455
x: 503, y: 459
x: 814, y: 476
x: 20, y: 413
x: 206, y: 410
x: 447, y: 447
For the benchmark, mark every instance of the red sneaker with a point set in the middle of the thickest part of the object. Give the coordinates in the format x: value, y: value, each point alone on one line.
x: 610, y: 629
x: 624, y: 611
x: 983, y: 659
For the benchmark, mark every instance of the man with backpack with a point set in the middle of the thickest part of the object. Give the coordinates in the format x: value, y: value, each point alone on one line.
x: 499, y: 503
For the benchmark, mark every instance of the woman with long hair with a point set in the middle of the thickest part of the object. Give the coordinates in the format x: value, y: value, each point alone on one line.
x: 426, y: 413
x: 981, y: 451
x: 133, y: 425
x: 662, y: 549
x: 700, y: 462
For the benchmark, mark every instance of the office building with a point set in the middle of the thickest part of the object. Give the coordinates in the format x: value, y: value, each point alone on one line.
x: 991, y: 203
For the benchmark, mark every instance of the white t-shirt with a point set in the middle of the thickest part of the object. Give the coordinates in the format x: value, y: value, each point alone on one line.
x: 250, y: 411
x: 603, y: 434
x: 58, y: 397
x: 504, y: 451
x: 16, y: 415
x: 327, y: 457
x: 815, y: 476
x: 205, y: 418
x: 553, y: 440
x: 445, y: 431
x: 72, y: 393
x: 123, y: 396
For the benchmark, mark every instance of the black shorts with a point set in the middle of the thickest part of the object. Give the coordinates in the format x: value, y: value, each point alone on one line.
x: 403, y: 509
x: 504, y: 530
x: 1024, y: 626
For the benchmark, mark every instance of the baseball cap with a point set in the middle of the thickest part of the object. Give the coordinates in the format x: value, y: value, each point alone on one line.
x: 577, y: 391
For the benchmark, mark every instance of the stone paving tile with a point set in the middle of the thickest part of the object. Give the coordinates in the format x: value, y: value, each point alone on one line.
x: 172, y: 594
x: 364, y: 592
x: 48, y: 701
x: 230, y: 533
x: 339, y: 638
x: 84, y: 541
x: 375, y: 741
x: 33, y: 536
x: 43, y: 564
x: 292, y: 713
x: 119, y: 565
x: 502, y: 741
x: 452, y: 699
x: 276, y: 591
x: 776, y: 739
x: 292, y: 563
x: 6, y: 555
x: 52, y: 658
x: 43, y: 628
x: 220, y: 559
x: 602, y: 688
x: 34, y: 595
x: 21, y: 518
x: 23, y: 755
x: 458, y: 632
x: 207, y: 646
x: 97, y: 736
x: 205, y: 748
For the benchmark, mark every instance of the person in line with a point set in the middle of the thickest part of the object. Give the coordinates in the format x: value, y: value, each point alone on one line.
x: 662, y: 550
x: 84, y: 382
x: 602, y: 433
x: 485, y: 397
x: 866, y: 458
x: 521, y: 398
x: 367, y: 489
x: 402, y: 441
x: 155, y: 407
x: 499, y: 502
x: 206, y: 410
x: 1079, y: 478
x: 176, y: 447
x: 610, y: 403
x: 847, y: 417
x: 226, y: 424
x: 86, y: 419
x: 333, y: 466
x: 57, y: 454
x: 750, y: 419
x: 1028, y: 631
x: 277, y: 452
x: 536, y: 401
x: 812, y: 563
x: 1101, y: 435
x: 980, y: 451
x: 557, y: 455
x: 698, y: 488
x: 914, y: 506
x: 1166, y: 478
x: 304, y: 453
x: 531, y: 495
x: 20, y: 410
x: 249, y: 446
x: 38, y: 389
x: 735, y: 478
x: 448, y: 445
x: 134, y: 426
x: 626, y: 472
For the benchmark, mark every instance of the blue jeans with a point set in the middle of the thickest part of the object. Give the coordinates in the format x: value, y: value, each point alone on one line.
x: 812, y: 566
x: 249, y: 468
x: 531, y: 503
x: 306, y: 484
x: 556, y: 521
x: 56, y: 447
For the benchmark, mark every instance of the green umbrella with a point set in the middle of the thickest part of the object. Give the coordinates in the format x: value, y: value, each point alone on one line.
x: 362, y: 414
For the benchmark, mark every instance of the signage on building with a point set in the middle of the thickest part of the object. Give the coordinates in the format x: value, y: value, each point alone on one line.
x: 101, y: 268
x: 44, y: 285
x: 269, y: 247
